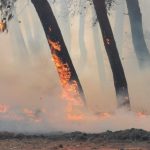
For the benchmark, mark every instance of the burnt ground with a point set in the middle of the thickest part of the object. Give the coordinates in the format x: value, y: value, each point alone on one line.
x: 133, y: 139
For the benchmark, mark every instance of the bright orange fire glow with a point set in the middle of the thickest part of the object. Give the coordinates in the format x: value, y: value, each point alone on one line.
x: 3, y: 108
x: 141, y: 114
x: 54, y: 45
x: 2, y: 26
x: 70, y: 87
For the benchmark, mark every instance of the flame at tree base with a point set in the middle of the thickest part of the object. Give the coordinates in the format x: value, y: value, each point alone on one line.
x: 70, y: 90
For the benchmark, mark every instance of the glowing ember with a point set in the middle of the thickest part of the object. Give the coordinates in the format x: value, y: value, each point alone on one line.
x: 2, y: 26
x: 104, y: 115
x: 28, y: 112
x: 3, y: 108
x: 141, y: 114
x: 54, y: 45
x: 32, y: 115
x: 73, y: 117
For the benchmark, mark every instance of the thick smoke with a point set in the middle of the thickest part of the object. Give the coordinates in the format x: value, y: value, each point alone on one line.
x: 30, y: 97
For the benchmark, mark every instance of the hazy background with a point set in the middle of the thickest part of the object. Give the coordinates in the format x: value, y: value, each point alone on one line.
x: 29, y: 81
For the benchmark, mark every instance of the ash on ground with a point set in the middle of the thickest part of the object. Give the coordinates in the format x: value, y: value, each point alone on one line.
x: 131, y: 139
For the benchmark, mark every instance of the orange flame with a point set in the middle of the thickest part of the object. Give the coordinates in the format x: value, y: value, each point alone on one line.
x: 2, y: 26
x: 70, y: 88
x: 54, y: 45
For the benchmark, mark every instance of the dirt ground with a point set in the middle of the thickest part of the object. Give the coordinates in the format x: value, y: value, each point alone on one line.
x: 48, y: 144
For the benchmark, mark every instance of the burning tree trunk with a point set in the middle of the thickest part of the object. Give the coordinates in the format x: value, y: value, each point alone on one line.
x: 61, y: 58
x: 139, y: 43
x: 112, y: 52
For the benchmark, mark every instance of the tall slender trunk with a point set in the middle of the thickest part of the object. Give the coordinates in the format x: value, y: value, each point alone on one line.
x: 65, y: 68
x: 112, y: 52
x: 139, y: 43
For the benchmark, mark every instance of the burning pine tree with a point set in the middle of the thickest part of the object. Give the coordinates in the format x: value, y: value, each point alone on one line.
x: 73, y: 91
x: 68, y: 76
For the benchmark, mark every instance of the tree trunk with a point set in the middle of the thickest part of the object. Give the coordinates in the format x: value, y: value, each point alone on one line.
x: 112, y: 52
x: 65, y: 68
x: 139, y: 43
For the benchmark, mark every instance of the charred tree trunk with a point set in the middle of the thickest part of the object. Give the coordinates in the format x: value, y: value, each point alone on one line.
x: 139, y: 43
x: 65, y: 68
x: 112, y: 52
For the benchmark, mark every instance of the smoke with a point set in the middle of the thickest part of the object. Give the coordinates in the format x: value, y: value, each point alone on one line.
x: 30, y: 92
